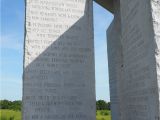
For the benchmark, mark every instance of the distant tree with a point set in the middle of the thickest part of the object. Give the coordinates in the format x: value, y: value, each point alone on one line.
x: 16, y: 105
x: 6, y: 104
x: 101, y: 105
x: 109, y: 106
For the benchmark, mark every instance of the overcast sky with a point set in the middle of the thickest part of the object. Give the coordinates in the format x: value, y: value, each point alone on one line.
x: 12, y: 38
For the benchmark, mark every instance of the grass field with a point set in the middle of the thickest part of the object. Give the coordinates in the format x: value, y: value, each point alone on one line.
x: 103, y: 115
x: 10, y: 115
x: 16, y: 115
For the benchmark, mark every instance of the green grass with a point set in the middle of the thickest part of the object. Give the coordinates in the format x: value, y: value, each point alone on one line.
x: 10, y: 115
x: 103, y: 115
x: 16, y: 115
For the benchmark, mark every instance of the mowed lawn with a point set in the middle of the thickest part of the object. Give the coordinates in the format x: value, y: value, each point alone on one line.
x: 16, y: 115
x: 10, y: 115
x: 103, y: 115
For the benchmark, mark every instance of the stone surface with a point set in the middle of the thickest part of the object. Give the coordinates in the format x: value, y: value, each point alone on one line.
x: 138, y: 43
x: 155, y: 9
x: 114, y: 67
x: 107, y: 4
x: 115, y: 62
x: 136, y: 90
x: 59, y: 78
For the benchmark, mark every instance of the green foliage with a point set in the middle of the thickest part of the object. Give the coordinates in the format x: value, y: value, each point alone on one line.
x: 15, y: 105
x: 3, y: 117
x: 109, y: 106
x: 10, y: 115
x: 103, y: 115
x: 102, y: 105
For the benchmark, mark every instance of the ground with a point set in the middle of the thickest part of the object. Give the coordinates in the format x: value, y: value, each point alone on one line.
x: 16, y: 115
x: 103, y: 115
x: 10, y: 115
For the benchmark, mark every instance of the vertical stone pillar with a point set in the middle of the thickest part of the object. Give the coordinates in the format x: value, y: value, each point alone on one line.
x: 139, y: 41
x: 115, y: 62
x: 135, y: 92
x: 59, y: 78
x: 155, y: 9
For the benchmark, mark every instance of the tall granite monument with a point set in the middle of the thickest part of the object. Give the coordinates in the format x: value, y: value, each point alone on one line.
x: 59, y: 78
x: 134, y: 59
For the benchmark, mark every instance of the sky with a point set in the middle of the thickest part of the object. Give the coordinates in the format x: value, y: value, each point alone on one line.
x: 11, y: 49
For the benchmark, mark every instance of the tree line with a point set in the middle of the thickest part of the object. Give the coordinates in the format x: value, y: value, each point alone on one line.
x: 11, y: 105
x: 16, y: 105
x: 103, y: 105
